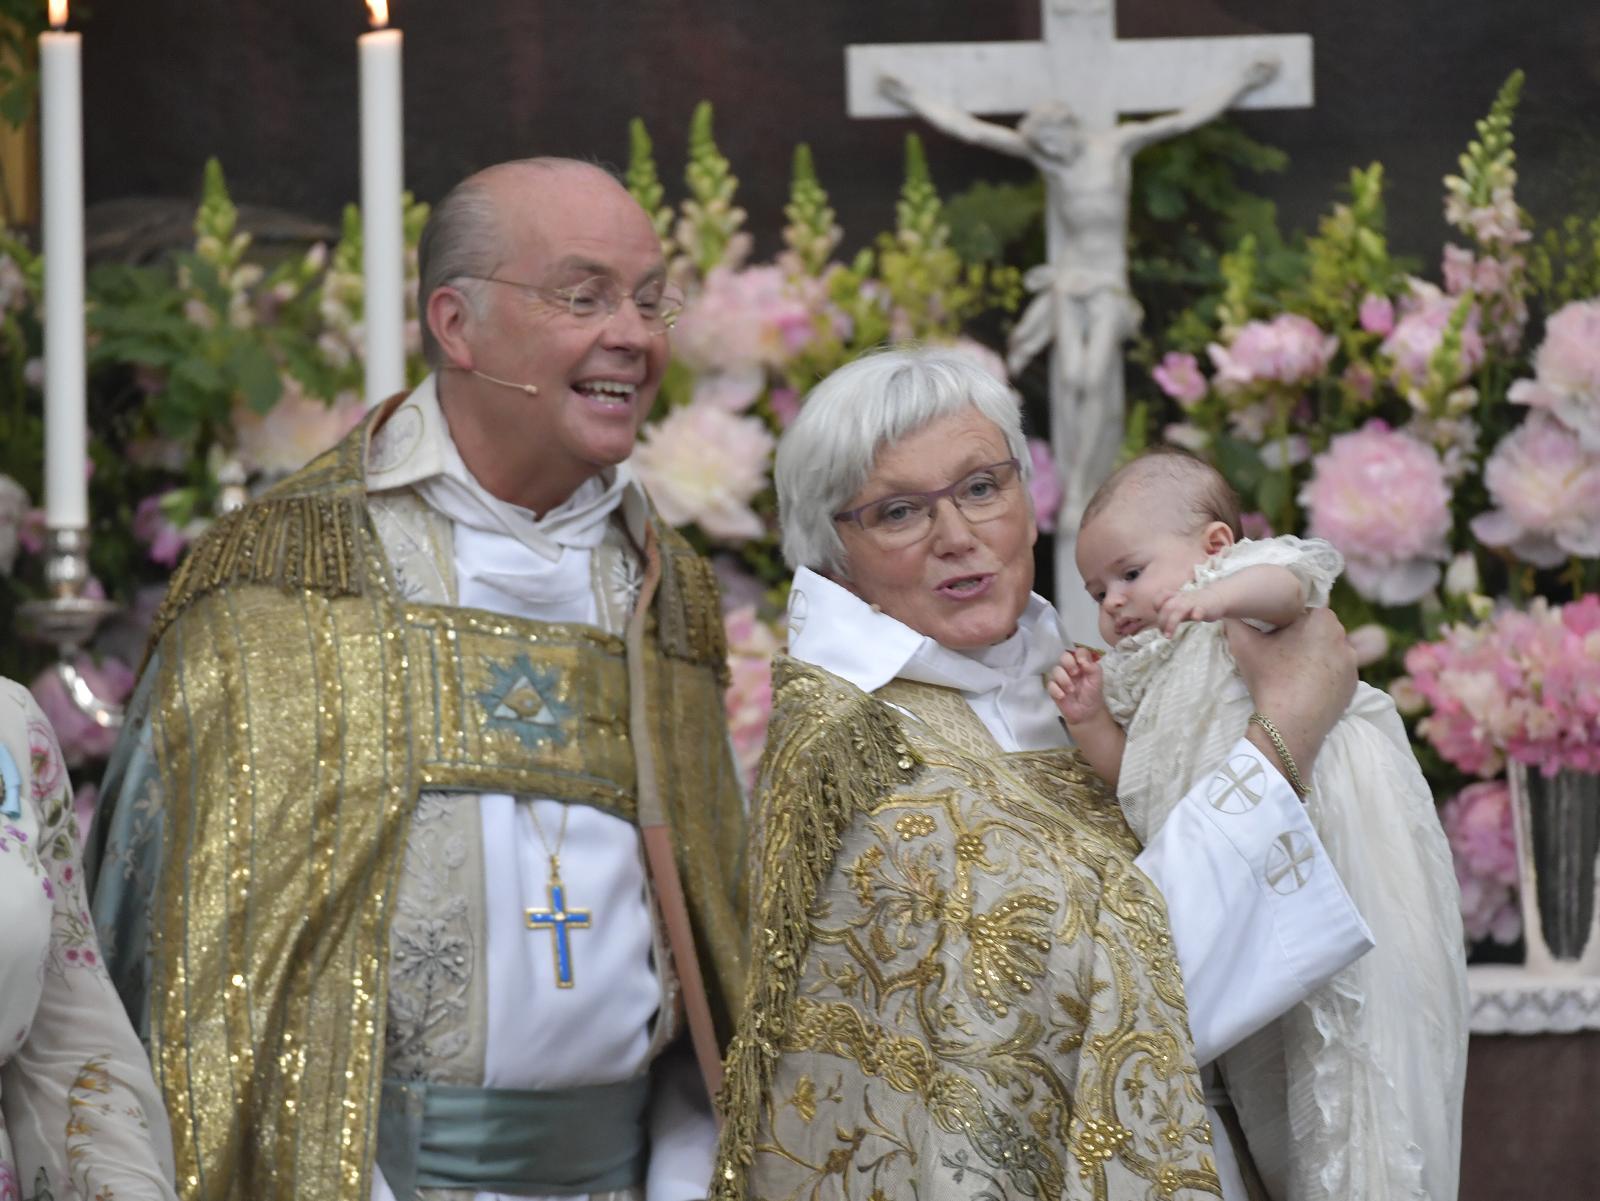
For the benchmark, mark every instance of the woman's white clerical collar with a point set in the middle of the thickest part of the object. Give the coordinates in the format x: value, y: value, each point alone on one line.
x: 832, y: 628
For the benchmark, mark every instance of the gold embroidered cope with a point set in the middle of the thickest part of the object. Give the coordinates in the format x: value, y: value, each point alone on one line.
x: 960, y: 985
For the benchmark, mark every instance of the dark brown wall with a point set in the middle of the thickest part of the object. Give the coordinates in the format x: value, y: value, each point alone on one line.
x: 269, y: 86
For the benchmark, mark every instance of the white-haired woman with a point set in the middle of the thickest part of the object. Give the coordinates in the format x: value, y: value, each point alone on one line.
x: 967, y: 978
x: 79, y: 1112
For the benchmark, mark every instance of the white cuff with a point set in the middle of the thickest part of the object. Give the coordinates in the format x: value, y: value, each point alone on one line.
x: 1259, y: 916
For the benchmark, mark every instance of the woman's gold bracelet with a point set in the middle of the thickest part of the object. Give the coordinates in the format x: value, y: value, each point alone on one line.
x: 1289, y: 767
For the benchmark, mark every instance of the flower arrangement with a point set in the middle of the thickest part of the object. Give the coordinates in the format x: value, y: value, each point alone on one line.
x: 1443, y: 434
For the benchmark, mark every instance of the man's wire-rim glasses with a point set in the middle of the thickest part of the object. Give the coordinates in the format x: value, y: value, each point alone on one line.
x: 907, y: 517
x: 598, y: 298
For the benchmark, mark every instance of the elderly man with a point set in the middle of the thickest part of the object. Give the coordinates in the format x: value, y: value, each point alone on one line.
x: 425, y: 839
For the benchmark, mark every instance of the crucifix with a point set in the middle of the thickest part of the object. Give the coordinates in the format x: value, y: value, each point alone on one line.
x: 1072, y: 87
x: 558, y: 919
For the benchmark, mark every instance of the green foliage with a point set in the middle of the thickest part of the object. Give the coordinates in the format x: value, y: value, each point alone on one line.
x: 21, y: 23
x: 988, y: 219
x: 1564, y: 265
x: 1348, y: 258
x: 1487, y: 163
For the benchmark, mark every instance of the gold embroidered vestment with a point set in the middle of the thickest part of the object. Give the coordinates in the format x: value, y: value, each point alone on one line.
x: 297, y: 706
x: 960, y: 986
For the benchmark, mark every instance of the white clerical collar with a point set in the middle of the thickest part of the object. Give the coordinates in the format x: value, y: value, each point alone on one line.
x: 413, y: 448
x: 832, y: 628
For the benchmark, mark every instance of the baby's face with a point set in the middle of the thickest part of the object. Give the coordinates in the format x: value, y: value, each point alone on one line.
x: 1131, y: 561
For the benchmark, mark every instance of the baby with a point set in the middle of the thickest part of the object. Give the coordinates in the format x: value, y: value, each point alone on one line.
x: 1357, y: 1091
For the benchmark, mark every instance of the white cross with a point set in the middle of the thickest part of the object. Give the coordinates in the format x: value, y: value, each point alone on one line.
x: 1239, y: 786
x: 1080, y: 63
x: 1290, y: 860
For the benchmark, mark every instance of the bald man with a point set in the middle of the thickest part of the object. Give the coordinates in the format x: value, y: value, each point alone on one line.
x: 422, y: 850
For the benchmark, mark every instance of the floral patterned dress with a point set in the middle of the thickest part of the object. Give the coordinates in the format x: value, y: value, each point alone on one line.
x: 80, y: 1116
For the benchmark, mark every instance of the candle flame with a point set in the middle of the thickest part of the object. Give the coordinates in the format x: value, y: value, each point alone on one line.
x: 58, y: 13
x: 377, y: 9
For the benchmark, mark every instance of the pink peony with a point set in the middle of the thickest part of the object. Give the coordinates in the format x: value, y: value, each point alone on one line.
x: 704, y: 465
x: 1524, y: 685
x: 81, y: 737
x: 1370, y: 643
x: 1567, y: 368
x: 785, y: 404
x: 751, y: 645
x: 1288, y: 350
x: 1547, y: 489
x: 1044, y: 485
x: 760, y: 317
x: 1178, y: 375
x: 1381, y: 498
x: 294, y: 431
x: 1377, y: 314
x: 1420, y: 331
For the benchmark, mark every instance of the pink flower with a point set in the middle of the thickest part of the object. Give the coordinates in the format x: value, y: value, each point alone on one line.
x: 294, y: 431
x: 1417, y: 336
x: 1288, y: 350
x: 760, y: 317
x: 704, y: 465
x: 1477, y: 821
x: 1370, y: 643
x: 164, y: 541
x: 1044, y: 485
x: 1547, y: 489
x: 751, y: 645
x: 1381, y: 498
x: 1377, y: 314
x: 1567, y: 367
x: 81, y: 738
x: 1178, y: 375
x: 1524, y: 685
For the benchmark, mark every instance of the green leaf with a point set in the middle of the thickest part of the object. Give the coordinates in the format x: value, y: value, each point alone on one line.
x: 257, y: 375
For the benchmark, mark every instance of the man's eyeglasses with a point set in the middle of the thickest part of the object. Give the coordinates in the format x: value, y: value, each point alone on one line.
x: 597, y: 299
x: 900, y: 521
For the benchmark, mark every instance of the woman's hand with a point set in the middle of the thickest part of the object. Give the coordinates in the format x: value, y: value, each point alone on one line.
x: 1301, y: 676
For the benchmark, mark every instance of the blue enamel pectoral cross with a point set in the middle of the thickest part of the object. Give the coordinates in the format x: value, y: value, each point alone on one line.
x: 558, y: 919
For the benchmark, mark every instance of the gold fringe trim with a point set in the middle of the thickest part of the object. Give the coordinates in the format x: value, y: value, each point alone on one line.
x: 834, y: 751
x: 290, y: 542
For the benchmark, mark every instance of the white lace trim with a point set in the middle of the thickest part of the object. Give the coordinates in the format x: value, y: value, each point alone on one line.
x: 1509, y: 999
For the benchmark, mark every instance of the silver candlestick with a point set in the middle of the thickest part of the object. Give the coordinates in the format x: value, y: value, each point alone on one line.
x: 68, y: 618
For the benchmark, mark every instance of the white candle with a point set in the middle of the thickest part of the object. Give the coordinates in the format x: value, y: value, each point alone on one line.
x: 61, y: 152
x: 382, y: 235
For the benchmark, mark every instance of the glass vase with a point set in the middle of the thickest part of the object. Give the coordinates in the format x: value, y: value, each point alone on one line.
x: 1557, y: 821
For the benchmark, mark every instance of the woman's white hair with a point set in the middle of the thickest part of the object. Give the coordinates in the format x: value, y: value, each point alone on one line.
x: 825, y: 457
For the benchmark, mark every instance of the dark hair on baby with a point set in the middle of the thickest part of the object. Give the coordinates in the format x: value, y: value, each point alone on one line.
x: 1210, y: 497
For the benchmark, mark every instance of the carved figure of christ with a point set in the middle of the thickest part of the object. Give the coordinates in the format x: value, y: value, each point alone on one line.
x: 1072, y: 86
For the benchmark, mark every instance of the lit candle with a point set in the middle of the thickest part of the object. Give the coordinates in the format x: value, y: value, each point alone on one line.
x: 61, y: 151
x: 382, y: 235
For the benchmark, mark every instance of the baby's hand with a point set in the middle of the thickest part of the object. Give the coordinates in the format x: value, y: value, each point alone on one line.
x: 1199, y: 605
x: 1075, y: 686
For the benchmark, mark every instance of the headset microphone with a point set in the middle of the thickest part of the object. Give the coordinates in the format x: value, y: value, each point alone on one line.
x: 530, y: 389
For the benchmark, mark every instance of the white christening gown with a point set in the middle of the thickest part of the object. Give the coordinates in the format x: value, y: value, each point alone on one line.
x: 1355, y: 1093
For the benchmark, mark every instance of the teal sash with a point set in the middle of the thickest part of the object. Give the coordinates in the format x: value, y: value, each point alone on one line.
x: 590, y: 1139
